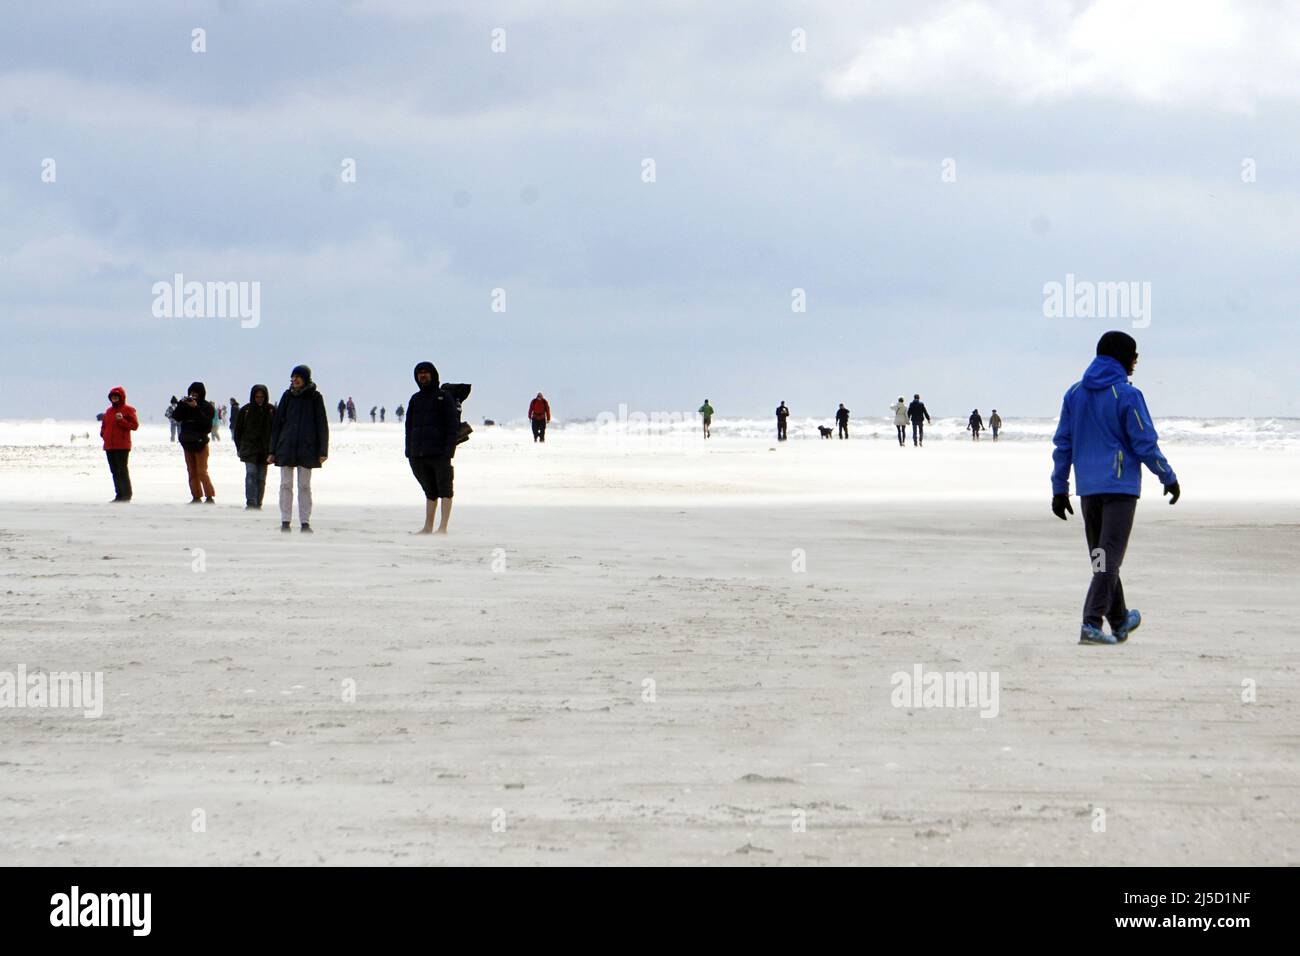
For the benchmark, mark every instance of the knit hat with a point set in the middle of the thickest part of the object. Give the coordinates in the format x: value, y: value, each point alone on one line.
x: 1120, y: 346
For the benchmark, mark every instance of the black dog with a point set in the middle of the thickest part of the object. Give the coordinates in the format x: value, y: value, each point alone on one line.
x: 826, y: 432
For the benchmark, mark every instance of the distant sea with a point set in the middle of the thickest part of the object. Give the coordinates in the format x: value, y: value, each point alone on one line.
x: 1273, y: 432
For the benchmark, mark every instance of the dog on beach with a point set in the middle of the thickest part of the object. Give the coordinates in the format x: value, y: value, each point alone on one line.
x: 825, y: 432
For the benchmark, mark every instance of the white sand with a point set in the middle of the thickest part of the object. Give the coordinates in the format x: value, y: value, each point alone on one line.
x: 521, y: 690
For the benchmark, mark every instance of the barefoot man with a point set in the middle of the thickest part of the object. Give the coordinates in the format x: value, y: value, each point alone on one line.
x: 432, y: 431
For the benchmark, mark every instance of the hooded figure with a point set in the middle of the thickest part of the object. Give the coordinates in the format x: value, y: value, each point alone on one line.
x: 252, y: 427
x: 115, y: 428
x: 433, y: 429
x: 974, y: 424
x: 1105, y: 431
x: 251, y: 431
x: 195, y: 415
x: 119, y: 421
x: 1106, y: 434
x: 300, y: 442
x: 433, y: 417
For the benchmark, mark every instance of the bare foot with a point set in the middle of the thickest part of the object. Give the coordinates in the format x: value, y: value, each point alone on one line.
x: 423, y: 531
x: 441, y: 531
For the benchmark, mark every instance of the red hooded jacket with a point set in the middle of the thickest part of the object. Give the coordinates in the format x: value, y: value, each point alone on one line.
x: 117, y: 434
x: 539, y: 408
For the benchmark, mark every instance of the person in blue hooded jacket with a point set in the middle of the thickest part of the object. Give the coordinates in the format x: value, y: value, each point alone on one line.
x: 1106, y: 435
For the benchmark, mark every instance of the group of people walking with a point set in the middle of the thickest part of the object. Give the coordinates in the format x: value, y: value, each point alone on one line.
x: 1104, y: 434
x: 975, y: 424
x: 905, y: 413
x: 914, y: 413
x: 378, y: 413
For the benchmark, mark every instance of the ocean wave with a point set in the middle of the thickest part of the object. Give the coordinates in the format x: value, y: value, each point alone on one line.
x: 686, y: 427
x: 1209, y: 431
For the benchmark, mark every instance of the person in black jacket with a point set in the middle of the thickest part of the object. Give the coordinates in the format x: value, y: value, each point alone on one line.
x: 917, y: 413
x: 251, y: 431
x: 842, y: 421
x: 974, y: 424
x: 432, y: 432
x: 782, y: 413
x: 194, y: 415
x: 300, y: 442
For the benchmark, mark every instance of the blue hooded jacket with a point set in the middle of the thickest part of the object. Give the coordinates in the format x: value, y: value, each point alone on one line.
x: 1106, y: 433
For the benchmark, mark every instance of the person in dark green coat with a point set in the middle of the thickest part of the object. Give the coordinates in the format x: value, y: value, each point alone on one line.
x: 251, y: 431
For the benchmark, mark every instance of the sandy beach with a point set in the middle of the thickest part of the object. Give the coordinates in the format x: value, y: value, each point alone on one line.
x: 640, y: 650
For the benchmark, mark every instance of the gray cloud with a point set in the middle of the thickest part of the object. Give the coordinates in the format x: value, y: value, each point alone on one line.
x: 775, y: 170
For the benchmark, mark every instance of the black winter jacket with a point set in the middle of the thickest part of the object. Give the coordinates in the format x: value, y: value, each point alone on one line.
x: 195, y: 422
x: 433, y: 422
x: 251, y: 428
x: 300, y: 430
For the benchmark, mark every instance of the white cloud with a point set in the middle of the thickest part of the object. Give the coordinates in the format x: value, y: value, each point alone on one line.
x: 1184, y: 53
x: 374, y: 260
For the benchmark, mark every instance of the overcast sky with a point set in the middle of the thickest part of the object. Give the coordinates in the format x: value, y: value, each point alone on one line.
x: 1092, y: 139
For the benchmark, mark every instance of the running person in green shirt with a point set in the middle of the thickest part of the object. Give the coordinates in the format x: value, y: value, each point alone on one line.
x: 706, y: 412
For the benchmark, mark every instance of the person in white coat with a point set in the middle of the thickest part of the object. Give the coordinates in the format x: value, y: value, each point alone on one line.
x: 899, y: 409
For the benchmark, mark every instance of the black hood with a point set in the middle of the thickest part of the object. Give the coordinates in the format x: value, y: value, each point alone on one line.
x: 200, y: 388
x: 304, y: 371
x: 252, y: 392
x: 427, y: 367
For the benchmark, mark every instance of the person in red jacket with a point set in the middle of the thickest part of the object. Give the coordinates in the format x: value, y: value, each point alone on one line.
x: 115, y: 428
x: 539, y: 413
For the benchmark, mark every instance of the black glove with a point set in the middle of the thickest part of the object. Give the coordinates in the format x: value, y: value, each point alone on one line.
x: 1173, y: 491
x: 1060, y: 505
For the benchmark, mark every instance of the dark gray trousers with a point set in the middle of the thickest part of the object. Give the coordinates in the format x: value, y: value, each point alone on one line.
x: 1107, y: 523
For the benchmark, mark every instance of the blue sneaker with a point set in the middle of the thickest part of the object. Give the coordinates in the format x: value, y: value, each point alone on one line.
x: 1095, y: 635
x: 1129, y: 626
